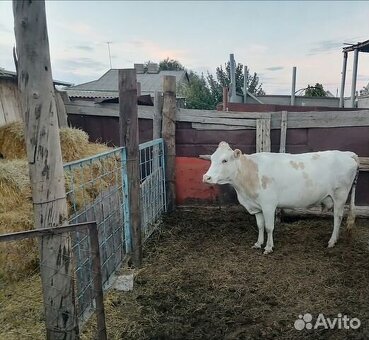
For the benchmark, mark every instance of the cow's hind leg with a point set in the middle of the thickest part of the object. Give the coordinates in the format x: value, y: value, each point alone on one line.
x: 260, y: 222
x: 339, y: 199
x: 269, y: 216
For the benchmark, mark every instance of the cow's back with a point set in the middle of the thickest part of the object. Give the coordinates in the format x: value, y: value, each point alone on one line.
x: 300, y: 180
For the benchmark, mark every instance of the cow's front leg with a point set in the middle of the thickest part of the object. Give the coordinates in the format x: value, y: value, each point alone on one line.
x: 269, y: 226
x: 260, y: 223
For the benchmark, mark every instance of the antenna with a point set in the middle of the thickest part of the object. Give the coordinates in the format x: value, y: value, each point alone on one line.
x: 108, y: 43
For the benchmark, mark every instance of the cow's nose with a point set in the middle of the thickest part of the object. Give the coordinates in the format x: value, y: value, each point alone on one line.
x: 206, y: 178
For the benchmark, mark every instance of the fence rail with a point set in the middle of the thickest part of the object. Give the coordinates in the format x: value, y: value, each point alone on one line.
x: 218, y: 120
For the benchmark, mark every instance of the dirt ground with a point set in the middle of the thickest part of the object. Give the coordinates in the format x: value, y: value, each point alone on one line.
x: 201, y: 280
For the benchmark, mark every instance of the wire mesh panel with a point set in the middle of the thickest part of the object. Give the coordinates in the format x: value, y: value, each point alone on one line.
x: 96, y: 188
x: 152, y: 184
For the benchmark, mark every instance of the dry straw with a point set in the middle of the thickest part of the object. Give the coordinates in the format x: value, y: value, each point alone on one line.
x: 19, y: 259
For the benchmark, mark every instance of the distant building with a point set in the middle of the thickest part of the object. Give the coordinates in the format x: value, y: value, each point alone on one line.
x: 106, y: 87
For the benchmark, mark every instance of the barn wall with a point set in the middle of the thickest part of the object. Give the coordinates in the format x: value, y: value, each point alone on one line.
x: 106, y: 129
x: 10, y: 103
x: 10, y: 109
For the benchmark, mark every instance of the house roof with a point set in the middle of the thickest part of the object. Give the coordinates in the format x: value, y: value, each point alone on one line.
x: 13, y: 75
x: 107, y: 85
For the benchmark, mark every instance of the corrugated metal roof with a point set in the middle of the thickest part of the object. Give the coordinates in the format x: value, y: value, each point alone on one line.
x: 107, y: 85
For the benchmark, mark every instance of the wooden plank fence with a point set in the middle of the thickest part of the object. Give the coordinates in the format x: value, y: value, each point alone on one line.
x: 219, y: 120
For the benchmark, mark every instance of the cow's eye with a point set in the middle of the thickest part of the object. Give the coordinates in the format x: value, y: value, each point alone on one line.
x: 224, y: 161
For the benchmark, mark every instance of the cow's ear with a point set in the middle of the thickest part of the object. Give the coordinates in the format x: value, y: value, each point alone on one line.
x: 237, y: 153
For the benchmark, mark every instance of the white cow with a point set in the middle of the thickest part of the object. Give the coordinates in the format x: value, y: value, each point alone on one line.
x: 266, y: 181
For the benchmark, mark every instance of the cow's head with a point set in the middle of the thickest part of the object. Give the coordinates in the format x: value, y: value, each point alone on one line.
x: 223, y: 166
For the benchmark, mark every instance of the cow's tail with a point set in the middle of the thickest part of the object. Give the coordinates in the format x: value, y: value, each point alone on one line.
x: 351, y: 215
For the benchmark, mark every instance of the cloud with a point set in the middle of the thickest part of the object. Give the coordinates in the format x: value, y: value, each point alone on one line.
x: 84, y: 48
x: 275, y: 68
x: 80, y: 63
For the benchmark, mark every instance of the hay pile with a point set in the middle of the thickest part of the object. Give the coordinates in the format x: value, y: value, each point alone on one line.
x: 18, y: 259
x: 74, y: 143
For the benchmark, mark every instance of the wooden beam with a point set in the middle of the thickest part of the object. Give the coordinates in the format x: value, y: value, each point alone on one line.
x: 169, y: 136
x: 282, y: 144
x: 129, y: 138
x: 364, y: 164
x: 45, y: 166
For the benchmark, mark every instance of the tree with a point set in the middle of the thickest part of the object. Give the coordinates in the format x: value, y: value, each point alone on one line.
x: 365, y: 90
x: 170, y: 65
x: 197, y: 93
x: 315, y: 91
x: 223, y: 78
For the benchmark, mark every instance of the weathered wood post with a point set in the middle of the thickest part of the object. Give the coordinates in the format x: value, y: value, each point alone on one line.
x: 263, y: 135
x: 156, y: 125
x: 282, y: 144
x: 169, y: 136
x: 45, y: 166
x: 128, y: 123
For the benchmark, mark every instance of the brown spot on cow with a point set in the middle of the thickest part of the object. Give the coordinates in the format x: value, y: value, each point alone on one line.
x: 308, y: 180
x: 248, y: 176
x: 316, y: 156
x: 265, y: 181
x: 299, y: 165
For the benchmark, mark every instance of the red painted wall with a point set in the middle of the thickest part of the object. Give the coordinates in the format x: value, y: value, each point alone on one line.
x: 189, y: 185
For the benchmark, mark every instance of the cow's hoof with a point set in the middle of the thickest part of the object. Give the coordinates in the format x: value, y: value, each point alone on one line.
x: 331, y: 244
x: 267, y: 250
x: 256, y: 246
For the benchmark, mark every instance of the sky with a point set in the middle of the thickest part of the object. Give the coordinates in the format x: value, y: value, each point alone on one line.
x: 270, y: 37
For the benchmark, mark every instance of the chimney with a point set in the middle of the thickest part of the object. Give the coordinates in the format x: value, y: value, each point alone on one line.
x: 139, y: 68
x: 153, y: 68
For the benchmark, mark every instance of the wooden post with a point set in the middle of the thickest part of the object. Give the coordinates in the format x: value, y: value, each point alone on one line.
x: 97, y: 280
x: 156, y: 125
x: 169, y: 135
x: 282, y: 144
x: 245, y: 81
x: 128, y: 123
x: 45, y: 166
x: 225, y: 98
x: 263, y: 135
x: 60, y: 108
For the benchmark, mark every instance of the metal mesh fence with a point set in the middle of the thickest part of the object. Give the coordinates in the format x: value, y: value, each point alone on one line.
x: 45, y: 296
x: 95, y: 192
x: 152, y: 184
